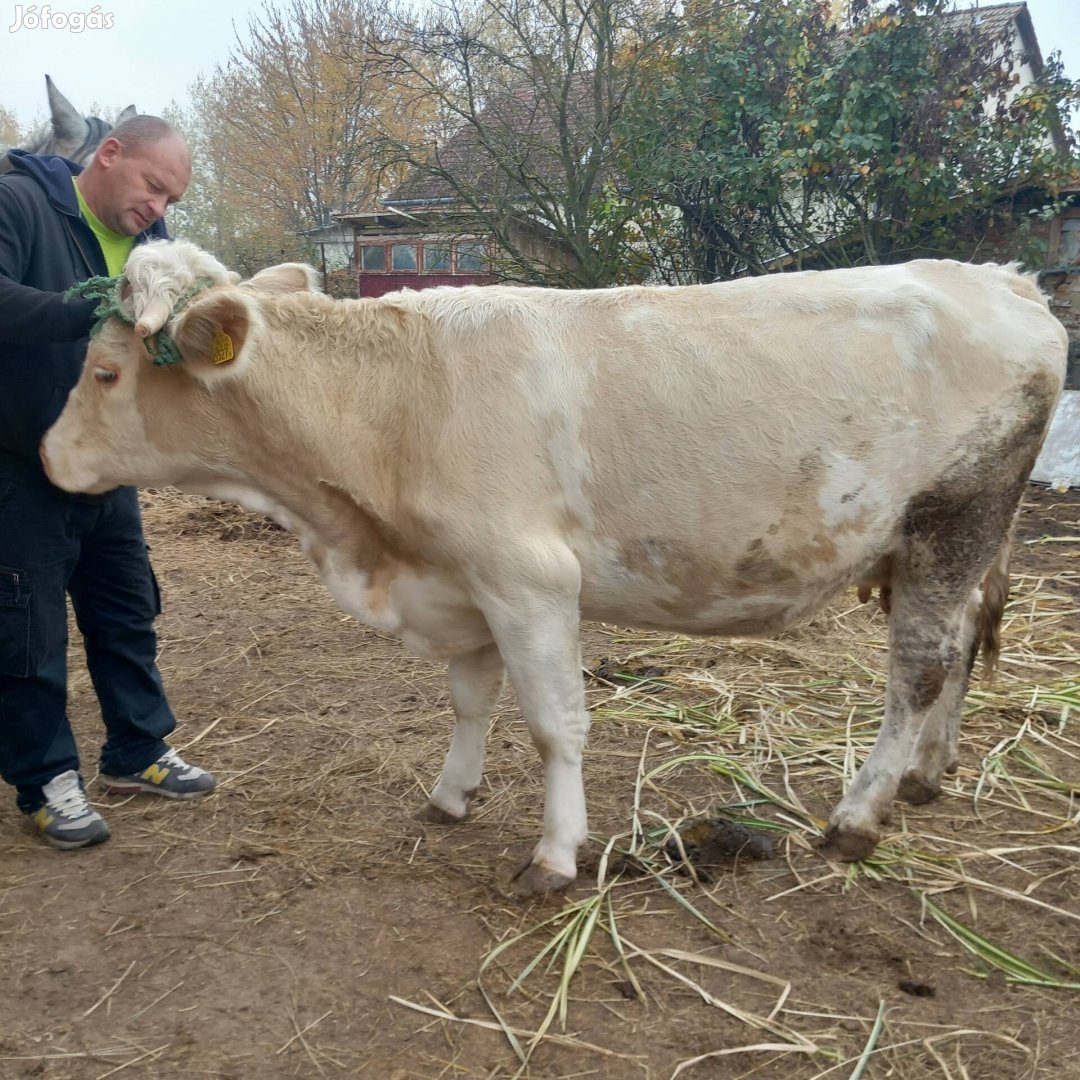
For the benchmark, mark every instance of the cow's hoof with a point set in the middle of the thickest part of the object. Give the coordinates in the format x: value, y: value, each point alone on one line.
x: 916, y: 789
x: 847, y: 845
x: 434, y: 814
x: 533, y: 880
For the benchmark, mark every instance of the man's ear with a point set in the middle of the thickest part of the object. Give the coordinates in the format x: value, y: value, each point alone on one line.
x: 286, y: 278
x: 217, y: 335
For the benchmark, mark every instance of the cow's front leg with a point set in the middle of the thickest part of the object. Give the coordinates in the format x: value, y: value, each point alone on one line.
x: 537, y: 629
x: 476, y: 680
x: 558, y: 724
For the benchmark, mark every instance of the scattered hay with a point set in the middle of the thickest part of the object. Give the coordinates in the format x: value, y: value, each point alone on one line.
x: 326, y: 736
x: 782, y: 722
x: 780, y: 727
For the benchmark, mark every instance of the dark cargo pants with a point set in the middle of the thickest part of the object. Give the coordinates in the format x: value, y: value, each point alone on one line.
x: 93, y: 550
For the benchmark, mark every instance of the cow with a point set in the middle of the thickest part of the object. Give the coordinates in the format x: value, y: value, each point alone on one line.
x: 70, y: 134
x: 477, y: 469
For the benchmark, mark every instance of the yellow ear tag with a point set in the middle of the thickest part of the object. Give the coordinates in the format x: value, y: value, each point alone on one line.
x: 223, y: 348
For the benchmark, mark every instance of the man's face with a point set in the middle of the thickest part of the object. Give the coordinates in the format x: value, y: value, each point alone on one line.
x: 139, y: 185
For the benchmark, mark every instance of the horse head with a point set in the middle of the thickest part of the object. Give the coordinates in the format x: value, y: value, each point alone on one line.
x: 71, y: 134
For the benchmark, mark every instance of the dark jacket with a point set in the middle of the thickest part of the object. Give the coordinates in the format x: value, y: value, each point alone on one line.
x: 45, y: 248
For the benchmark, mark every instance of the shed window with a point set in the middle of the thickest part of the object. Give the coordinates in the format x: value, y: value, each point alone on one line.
x: 373, y: 257
x: 437, y: 258
x: 470, y: 258
x: 403, y: 256
x: 1070, y: 240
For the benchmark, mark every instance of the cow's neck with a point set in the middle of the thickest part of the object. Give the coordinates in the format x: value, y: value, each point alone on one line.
x: 288, y: 446
x: 332, y: 402
x: 320, y: 468
x: 331, y: 525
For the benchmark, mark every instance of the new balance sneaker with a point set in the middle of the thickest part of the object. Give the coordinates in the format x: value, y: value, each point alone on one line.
x: 170, y: 776
x: 67, y: 820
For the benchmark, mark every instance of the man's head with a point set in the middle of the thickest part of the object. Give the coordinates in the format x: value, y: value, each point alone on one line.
x: 140, y: 170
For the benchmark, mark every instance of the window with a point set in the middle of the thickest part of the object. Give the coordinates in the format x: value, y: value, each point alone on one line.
x: 432, y: 257
x: 437, y: 258
x: 470, y: 258
x: 1070, y: 240
x: 1064, y: 246
x: 403, y: 256
x: 373, y: 257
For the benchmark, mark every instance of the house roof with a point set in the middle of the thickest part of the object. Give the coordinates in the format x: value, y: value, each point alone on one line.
x: 996, y: 20
x: 330, y: 230
x: 419, y: 218
x: 434, y: 218
x: 520, y: 128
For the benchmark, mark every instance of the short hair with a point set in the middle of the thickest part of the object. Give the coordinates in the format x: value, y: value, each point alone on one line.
x: 137, y: 132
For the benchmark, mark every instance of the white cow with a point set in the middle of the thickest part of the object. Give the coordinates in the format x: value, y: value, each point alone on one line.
x: 477, y: 469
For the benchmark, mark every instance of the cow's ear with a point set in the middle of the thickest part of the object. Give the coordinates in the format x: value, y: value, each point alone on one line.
x: 215, y: 335
x: 286, y: 278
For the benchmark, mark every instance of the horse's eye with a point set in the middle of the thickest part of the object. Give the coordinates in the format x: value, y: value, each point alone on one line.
x: 105, y: 375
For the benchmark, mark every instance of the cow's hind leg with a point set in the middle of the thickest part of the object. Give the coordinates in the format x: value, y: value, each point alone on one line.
x: 476, y: 680
x: 925, y: 646
x: 936, y: 751
x: 953, y: 535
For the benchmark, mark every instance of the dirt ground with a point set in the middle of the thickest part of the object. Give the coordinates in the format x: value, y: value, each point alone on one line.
x: 298, y: 922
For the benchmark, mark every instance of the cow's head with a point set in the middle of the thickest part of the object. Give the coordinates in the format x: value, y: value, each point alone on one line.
x: 175, y: 328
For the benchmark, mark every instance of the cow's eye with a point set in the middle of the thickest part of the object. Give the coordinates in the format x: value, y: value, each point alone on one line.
x: 105, y: 375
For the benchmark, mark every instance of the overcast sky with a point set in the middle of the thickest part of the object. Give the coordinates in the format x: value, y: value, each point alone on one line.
x: 154, y: 50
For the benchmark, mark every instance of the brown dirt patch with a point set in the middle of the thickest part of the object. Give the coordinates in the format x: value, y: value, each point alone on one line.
x: 267, y: 931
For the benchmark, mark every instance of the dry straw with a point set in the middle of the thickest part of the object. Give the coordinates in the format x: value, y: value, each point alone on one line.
x: 773, y: 730
x: 777, y: 721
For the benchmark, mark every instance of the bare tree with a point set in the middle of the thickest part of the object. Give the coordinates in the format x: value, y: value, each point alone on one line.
x: 524, y: 96
x: 288, y: 130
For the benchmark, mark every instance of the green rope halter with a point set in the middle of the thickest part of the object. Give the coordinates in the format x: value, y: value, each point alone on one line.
x: 161, y: 348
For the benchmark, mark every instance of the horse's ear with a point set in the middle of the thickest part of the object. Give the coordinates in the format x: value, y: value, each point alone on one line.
x: 68, y: 125
x: 127, y: 114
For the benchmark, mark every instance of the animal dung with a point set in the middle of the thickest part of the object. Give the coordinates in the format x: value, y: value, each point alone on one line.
x: 711, y: 843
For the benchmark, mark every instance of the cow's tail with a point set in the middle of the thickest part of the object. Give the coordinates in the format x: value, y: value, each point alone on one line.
x: 995, y: 594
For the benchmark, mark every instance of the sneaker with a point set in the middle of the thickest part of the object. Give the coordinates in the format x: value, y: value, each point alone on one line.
x: 170, y: 776
x: 66, y: 820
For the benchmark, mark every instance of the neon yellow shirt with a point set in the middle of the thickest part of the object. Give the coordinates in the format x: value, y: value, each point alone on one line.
x: 114, y: 246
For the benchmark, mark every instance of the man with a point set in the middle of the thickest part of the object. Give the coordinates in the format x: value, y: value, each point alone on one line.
x: 60, y: 225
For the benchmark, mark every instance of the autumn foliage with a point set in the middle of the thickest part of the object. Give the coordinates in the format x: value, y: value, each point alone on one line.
x: 797, y: 134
